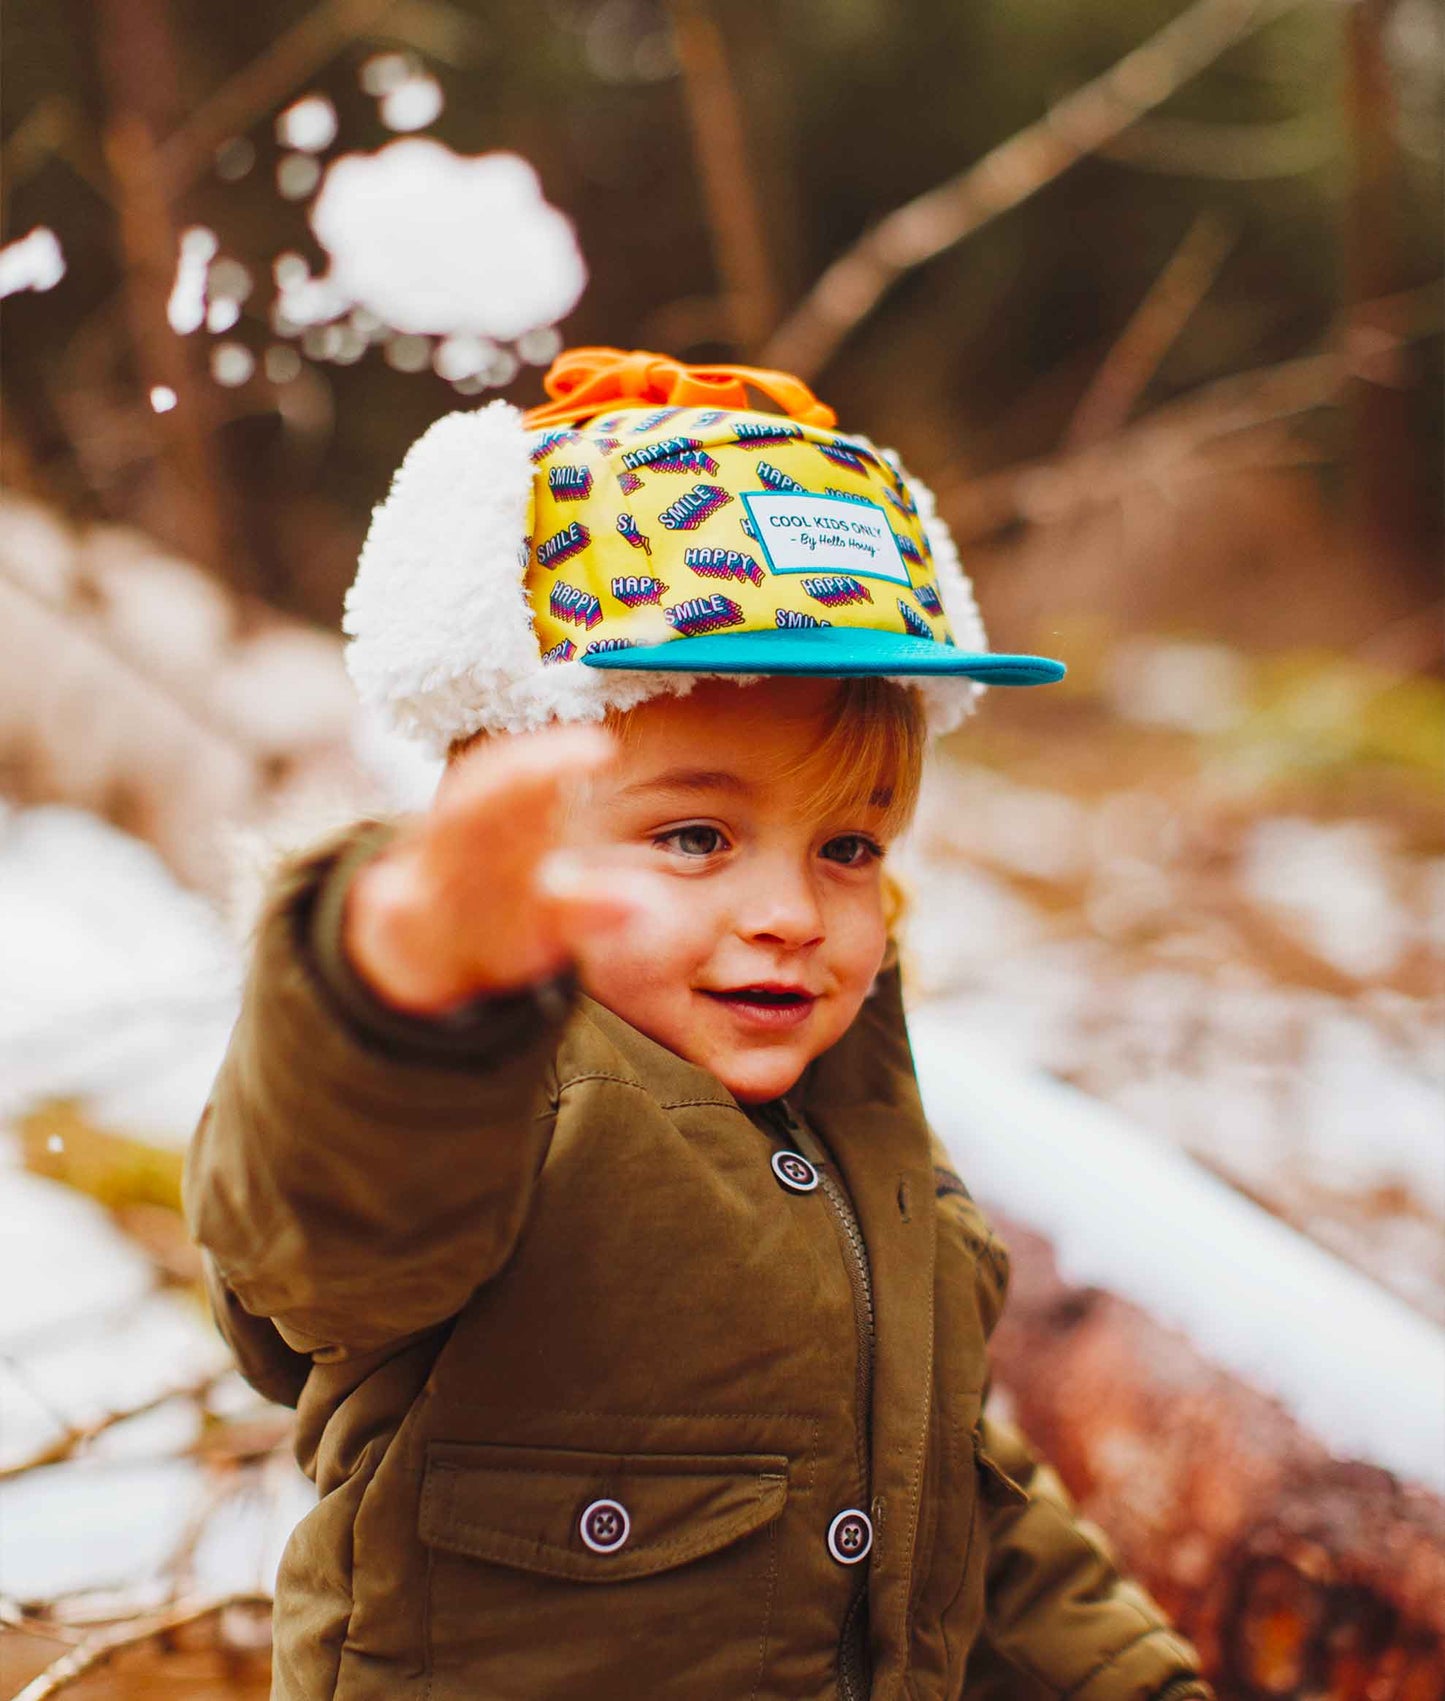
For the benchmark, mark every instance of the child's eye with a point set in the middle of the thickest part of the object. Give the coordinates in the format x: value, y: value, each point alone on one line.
x: 852, y: 850
x: 697, y: 841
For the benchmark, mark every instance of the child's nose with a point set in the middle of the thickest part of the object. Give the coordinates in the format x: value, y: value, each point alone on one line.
x: 785, y: 911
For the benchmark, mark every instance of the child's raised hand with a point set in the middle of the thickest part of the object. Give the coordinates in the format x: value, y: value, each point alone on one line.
x: 475, y: 898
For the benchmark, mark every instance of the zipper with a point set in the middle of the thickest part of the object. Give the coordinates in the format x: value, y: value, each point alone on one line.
x: 860, y: 1278
x: 853, y: 1682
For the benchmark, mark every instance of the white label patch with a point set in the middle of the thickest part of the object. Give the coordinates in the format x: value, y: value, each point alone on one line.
x: 825, y: 534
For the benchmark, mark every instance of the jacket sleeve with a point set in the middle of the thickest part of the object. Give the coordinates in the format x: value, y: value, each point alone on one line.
x: 1061, y: 1621
x: 358, y: 1173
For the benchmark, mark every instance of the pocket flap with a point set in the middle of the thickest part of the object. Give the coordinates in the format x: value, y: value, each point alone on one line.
x: 524, y: 1506
x: 994, y: 1480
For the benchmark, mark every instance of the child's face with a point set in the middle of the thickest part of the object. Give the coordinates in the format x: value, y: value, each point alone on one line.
x: 769, y: 925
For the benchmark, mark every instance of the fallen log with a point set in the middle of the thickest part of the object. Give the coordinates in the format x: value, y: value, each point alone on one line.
x: 1294, y: 1572
x: 1259, y: 1430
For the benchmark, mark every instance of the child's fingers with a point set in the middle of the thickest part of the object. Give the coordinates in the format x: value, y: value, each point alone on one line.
x: 501, y: 808
x: 587, y: 899
x: 525, y: 772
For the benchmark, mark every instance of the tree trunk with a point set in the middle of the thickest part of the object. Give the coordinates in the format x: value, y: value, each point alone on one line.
x: 1295, y: 1573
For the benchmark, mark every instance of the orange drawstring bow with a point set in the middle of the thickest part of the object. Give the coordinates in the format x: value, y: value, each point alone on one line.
x: 588, y: 381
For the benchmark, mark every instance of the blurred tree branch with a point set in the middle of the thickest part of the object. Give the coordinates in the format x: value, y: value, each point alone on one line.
x: 1393, y: 496
x: 137, y: 58
x: 258, y: 87
x: 1080, y: 124
x: 77, y: 1436
x: 53, y: 128
x: 1151, y: 332
x: 1100, y: 472
x: 720, y: 149
x: 100, y: 1649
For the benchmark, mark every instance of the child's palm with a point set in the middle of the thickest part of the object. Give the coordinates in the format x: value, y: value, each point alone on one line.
x: 474, y: 899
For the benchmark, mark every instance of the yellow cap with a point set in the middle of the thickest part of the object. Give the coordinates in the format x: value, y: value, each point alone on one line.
x: 655, y: 525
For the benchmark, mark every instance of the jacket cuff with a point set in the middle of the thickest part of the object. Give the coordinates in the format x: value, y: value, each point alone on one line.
x: 476, y: 1035
x: 1135, y: 1671
x: 1186, y: 1689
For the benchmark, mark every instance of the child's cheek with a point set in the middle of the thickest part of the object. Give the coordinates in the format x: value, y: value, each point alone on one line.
x: 658, y: 952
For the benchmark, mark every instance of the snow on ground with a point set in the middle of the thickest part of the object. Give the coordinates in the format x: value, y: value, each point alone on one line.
x: 1361, y: 1370
x: 1090, y: 941
x: 116, y: 986
x: 1335, y: 883
x: 85, y: 1333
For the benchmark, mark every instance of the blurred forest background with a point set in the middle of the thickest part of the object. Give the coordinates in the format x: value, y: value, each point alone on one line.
x: 1149, y: 293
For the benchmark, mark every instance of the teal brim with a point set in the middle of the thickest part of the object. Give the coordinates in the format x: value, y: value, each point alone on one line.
x: 833, y: 651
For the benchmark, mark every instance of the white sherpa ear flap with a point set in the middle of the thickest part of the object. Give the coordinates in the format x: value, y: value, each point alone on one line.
x: 441, y: 632
x: 948, y: 699
x: 437, y: 616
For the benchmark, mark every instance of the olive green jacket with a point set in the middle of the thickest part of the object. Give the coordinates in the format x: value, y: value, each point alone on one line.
x: 528, y: 1261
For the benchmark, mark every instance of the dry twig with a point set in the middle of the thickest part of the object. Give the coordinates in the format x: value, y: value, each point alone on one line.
x: 256, y: 89
x: 77, y: 1436
x: 1009, y: 174
x: 1093, y: 476
x: 720, y: 148
x: 1151, y: 332
x: 98, y: 1650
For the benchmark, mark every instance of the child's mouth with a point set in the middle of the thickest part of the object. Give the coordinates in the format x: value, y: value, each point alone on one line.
x: 767, y: 1006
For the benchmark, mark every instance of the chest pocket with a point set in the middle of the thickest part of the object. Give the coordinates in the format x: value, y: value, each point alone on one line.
x: 557, y: 1572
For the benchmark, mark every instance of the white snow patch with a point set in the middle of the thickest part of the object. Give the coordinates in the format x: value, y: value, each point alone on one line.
x: 309, y: 124
x: 186, y: 309
x: 93, y: 1526
x: 61, y: 1262
x: 1331, y: 884
x: 446, y: 244
x: 384, y: 72
x: 32, y: 262
x: 1357, y: 1368
x: 1347, y: 1069
x: 232, y: 364
x: 223, y: 314
x: 240, y: 1546
x: 116, y: 985
x: 413, y: 104
x: 296, y: 176
x: 1190, y: 686
x: 84, y: 1335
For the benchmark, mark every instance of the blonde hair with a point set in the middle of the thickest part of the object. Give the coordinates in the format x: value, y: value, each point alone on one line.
x: 870, y: 755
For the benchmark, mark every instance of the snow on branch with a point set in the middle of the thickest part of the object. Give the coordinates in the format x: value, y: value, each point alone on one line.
x: 437, y: 243
x: 1125, y: 1213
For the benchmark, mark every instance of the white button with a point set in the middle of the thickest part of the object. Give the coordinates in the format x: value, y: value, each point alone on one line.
x: 604, y: 1526
x: 795, y: 1172
x: 850, y: 1536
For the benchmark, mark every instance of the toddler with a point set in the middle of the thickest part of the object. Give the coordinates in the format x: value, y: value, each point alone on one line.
x: 567, y: 1169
